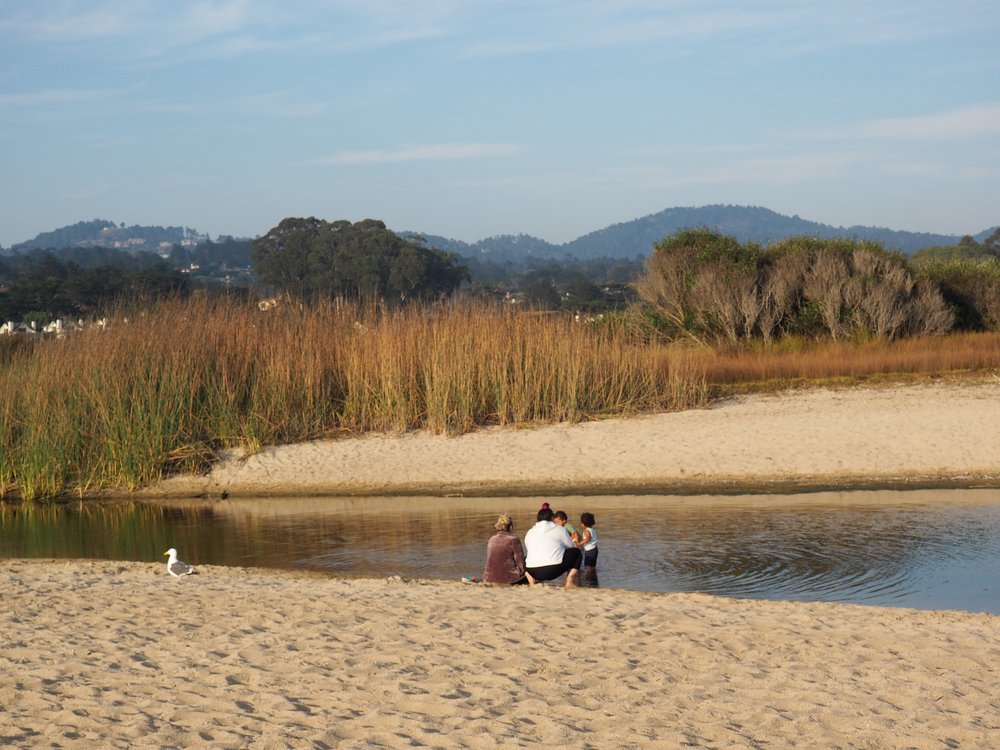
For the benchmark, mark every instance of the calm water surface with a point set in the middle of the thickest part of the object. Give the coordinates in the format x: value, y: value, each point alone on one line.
x: 924, y: 549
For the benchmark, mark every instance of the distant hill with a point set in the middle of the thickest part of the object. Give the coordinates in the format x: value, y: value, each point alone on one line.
x: 637, y: 237
x: 103, y: 233
x: 627, y: 240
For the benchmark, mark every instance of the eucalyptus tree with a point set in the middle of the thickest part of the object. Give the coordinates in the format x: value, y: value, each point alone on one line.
x: 364, y: 260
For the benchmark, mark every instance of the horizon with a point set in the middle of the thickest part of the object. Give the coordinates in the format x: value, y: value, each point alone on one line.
x: 473, y: 120
x: 494, y: 236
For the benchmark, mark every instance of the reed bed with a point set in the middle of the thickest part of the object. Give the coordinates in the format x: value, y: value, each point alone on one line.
x: 752, y: 367
x: 163, y: 389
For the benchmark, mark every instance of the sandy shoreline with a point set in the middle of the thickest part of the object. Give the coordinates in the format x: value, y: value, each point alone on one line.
x: 938, y: 434
x: 121, y: 655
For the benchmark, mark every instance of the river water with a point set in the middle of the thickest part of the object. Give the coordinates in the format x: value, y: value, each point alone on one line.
x: 928, y: 549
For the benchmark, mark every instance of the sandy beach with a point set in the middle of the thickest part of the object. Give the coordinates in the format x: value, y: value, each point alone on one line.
x: 121, y: 655
x: 935, y: 434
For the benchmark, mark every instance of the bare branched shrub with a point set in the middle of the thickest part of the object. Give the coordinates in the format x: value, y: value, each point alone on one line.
x: 823, y: 283
x: 714, y: 303
x: 877, y: 293
x: 781, y: 290
x: 687, y: 279
x: 929, y: 315
x: 712, y: 287
x: 664, y: 285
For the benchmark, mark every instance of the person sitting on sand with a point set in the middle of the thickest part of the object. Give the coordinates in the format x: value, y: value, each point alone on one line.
x: 551, y: 552
x: 561, y: 519
x: 504, y: 555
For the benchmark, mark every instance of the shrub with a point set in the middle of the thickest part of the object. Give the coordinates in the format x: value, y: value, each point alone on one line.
x: 971, y: 286
x: 712, y: 288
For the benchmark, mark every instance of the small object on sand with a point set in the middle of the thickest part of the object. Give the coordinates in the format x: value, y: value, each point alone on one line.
x: 175, y: 567
x: 470, y: 579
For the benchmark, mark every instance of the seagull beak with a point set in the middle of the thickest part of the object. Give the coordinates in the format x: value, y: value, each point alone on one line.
x: 165, y: 554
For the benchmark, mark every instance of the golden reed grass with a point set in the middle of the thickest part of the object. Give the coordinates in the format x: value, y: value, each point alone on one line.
x: 162, y: 388
x: 751, y: 367
x: 165, y: 387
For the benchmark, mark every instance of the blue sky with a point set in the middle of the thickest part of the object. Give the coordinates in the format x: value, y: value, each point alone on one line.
x: 471, y: 118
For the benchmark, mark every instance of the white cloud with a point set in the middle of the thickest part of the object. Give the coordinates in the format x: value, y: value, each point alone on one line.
x: 422, y: 152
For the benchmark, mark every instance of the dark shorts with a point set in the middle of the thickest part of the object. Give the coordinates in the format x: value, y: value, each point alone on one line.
x: 570, y: 561
x: 590, y: 558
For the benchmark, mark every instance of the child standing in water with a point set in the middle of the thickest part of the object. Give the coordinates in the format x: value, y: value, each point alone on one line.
x: 588, y: 542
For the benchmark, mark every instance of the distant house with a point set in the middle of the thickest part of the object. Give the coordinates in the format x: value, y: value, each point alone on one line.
x: 56, y: 329
x: 10, y: 328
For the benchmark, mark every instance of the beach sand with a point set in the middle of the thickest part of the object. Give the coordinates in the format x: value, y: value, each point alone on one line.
x: 120, y: 655
x: 99, y: 654
x: 936, y: 434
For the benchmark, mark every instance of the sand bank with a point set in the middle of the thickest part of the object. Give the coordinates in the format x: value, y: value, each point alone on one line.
x: 915, y: 435
x: 100, y: 654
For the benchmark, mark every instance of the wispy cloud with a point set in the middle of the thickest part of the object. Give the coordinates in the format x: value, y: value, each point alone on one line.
x: 959, y: 125
x: 682, y: 27
x: 481, y: 28
x: 63, y: 96
x: 67, y: 22
x: 179, y: 30
x: 422, y: 152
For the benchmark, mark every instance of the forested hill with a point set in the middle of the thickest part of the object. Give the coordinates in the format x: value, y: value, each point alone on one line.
x: 627, y: 240
x: 637, y: 237
x: 101, y: 232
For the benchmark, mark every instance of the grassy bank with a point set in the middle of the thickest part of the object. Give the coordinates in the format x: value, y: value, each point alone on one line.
x: 161, y: 390
x: 794, y: 361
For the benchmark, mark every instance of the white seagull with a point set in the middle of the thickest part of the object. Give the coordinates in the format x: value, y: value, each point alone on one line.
x: 175, y: 567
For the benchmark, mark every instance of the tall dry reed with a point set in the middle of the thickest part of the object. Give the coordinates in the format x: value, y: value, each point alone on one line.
x: 161, y: 388
x: 808, y: 360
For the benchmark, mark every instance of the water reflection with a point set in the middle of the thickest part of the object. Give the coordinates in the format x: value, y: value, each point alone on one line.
x: 928, y: 549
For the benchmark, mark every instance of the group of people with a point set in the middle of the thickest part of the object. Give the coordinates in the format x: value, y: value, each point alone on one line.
x: 553, y: 547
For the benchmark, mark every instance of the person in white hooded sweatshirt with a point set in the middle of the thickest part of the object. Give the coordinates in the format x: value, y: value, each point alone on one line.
x: 551, y: 552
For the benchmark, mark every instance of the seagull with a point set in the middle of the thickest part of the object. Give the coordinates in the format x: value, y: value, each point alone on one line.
x: 175, y: 567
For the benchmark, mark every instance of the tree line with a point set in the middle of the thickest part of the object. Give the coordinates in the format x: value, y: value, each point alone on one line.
x: 46, y: 288
x: 696, y: 283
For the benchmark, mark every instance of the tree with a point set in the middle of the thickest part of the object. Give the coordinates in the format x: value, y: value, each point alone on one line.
x: 542, y: 294
x: 583, y: 294
x: 364, y: 260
